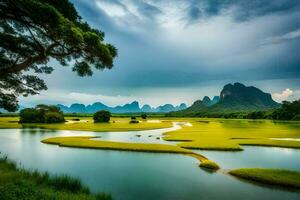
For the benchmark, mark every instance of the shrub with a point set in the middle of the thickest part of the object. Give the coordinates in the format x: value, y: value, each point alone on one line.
x: 133, y: 120
x: 144, y: 116
x: 41, y: 114
x: 31, y: 115
x: 54, y: 117
x: 208, y: 164
x: 102, y: 116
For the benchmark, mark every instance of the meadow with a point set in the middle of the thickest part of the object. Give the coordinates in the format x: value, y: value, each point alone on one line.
x: 278, y: 177
x: 86, y: 124
x: 232, y: 134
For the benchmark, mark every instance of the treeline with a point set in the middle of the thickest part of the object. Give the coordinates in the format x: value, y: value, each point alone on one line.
x: 287, y: 111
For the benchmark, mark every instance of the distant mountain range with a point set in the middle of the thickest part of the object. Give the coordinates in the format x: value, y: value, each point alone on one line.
x: 233, y: 98
x: 133, y: 107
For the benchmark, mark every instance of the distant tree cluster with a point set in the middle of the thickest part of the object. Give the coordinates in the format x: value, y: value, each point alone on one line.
x: 144, y: 116
x: 41, y: 114
x: 287, y: 111
x: 133, y: 120
x: 102, y: 116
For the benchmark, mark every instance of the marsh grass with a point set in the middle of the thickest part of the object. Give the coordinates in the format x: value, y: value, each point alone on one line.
x: 18, y: 183
x: 120, y: 124
x: 230, y: 135
x: 275, y: 177
x: 86, y: 142
x: 209, y: 164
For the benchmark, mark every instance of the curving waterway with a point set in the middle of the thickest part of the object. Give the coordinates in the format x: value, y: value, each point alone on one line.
x: 135, y: 175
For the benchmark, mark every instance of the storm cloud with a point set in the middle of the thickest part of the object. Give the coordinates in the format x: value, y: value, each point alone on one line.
x: 168, y: 44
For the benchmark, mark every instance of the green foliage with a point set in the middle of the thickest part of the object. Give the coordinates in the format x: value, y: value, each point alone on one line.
x: 288, y: 111
x: 28, y: 40
x: 18, y: 184
x: 31, y: 115
x: 134, y: 120
x: 54, y: 117
x: 279, y: 177
x: 209, y: 164
x: 144, y: 116
x: 41, y: 114
x: 102, y: 116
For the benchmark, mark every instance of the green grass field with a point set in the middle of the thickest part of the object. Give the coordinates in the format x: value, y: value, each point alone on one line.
x: 205, y: 134
x: 230, y: 135
x: 86, y: 124
x: 277, y: 177
x: 86, y: 142
x: 17, y: 184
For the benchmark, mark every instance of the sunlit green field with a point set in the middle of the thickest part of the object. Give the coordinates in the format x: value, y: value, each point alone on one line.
x: 279, y: 177
x: 222, y: 134
x: 208, y: 134
x: 198, y: 133
x: 87, y: 124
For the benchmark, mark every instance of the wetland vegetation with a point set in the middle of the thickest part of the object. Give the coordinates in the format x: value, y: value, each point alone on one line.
x: 277, y: 177
x: 17, y: 183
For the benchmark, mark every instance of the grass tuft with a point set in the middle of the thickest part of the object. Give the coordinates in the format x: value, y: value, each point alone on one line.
x: 277, y: 177
x: 209, y: 164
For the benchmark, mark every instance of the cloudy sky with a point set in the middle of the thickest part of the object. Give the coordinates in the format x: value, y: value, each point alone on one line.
x: 173, y: 51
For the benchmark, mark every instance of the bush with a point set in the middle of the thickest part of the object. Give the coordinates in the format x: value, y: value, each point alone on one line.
x: 102, y: 116
x: 208, y: 164
x: 133, y: 120
x: 31, y: 115
x: 54, y: 117
x: 144, y: 116
x: 41, y: 114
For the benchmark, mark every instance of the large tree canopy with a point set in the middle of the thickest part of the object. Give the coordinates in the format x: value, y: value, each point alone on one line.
x: 34, y: 31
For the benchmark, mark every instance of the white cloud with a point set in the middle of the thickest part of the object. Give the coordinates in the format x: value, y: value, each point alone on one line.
x: 111, y: 9
x: 282, y: 38
x: 284, y: 95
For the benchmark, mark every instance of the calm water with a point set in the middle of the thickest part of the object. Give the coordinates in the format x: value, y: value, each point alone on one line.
x: 133, y: 175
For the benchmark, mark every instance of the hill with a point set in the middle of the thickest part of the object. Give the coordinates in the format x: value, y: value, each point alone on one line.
x: 233, y: 98
x: 133, y: 107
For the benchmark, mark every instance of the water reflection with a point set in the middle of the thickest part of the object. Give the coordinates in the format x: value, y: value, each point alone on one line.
x: 147, y: 176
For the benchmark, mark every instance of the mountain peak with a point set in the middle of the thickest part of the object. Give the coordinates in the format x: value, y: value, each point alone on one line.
x: 132, y: 107
x: 234, y: 98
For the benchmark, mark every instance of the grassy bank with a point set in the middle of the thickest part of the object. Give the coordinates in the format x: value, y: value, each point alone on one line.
x: 230, y: 135
x: 86, y: 142
x: 16, y: 184
x: 204, y: 134
x: 86, y: 124
x: 209, y: 164
x: 277, y: 177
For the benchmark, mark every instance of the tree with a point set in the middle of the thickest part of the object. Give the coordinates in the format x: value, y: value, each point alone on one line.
x: 287, y: 111
x: 41, y: 114
x: 102, y: 116
x: 134, y: 120
x: 144, y: 116
x: 32, y: 32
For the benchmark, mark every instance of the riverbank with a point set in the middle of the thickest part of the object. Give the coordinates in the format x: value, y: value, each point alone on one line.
x: 87, y: 142
x: 116, y: 124
x: 17, y: 183
x: 276, y: 177
x: 231, y: 134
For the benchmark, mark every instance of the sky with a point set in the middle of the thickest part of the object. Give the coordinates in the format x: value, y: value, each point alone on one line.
x: 174, y: 51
